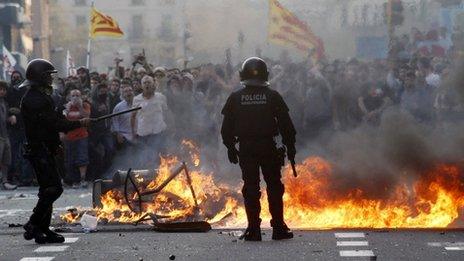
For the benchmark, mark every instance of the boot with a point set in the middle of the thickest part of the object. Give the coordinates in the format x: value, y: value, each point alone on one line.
x: 252, y: 234
x: 34, y: 232
x: 281, y: 232
x: 52, y: 237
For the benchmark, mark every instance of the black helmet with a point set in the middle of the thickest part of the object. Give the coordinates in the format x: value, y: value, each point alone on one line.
x: 38, y: 72
x: 254, y: 72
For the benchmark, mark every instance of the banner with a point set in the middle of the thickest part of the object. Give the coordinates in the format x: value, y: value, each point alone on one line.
x: 285, y: 29
x: 103, y: 25
x: 9, y: 62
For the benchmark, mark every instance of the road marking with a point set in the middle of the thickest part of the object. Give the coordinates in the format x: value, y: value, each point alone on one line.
x: 43, y: 249
x: 356, y: 253
x: 66, y: 234
x: 349, y: 235
x: 43, y: 258
x: 352, y: 243
x: 68, y: 240
x: 454, y: 248
x: 441, y: 244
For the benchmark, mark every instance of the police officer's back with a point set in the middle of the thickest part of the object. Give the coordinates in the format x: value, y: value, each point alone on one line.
x: 253, y: 117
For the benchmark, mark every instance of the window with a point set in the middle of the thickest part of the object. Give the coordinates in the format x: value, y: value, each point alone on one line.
x: 80, y: 2
x: 168, y: 2
x: 364, y: 14
x: 81, y: 20
x: 344, y: 17
x: 138, y: 2
x: 137, y: 26
x: 167, y: 28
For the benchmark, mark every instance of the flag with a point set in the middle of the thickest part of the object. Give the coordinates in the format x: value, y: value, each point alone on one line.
x: 285, y: 29
x: 70, y: 66
x: 9, y: 62
x: 103, y: 25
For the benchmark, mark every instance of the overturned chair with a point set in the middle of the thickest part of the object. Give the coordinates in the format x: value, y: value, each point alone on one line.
x: 135, y: 198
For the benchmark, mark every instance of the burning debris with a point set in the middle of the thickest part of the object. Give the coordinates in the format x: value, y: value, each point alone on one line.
x: 312, y: 200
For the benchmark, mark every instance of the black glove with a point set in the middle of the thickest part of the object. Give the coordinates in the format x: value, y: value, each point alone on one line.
x: 291, y: 152
x: 232, y: 153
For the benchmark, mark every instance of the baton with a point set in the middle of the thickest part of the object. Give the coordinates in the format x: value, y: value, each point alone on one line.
x: 114, y: 114
x: 292, y: 162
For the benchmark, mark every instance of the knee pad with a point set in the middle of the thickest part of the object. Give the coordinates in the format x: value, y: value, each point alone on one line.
x: 53, y: 192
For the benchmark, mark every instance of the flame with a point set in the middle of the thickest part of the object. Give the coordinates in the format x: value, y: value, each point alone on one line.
x: 432, y: 201
x: 193, y: 151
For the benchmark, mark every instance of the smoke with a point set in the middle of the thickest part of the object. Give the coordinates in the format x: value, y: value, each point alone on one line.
x: 400, y: 150
x: 374, y: 159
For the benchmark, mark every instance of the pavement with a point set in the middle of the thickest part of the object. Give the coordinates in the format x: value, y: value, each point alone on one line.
x: 126, y: 242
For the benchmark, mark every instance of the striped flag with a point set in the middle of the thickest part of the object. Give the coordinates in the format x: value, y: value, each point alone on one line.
x: 9, y: 62
x: 286, y: 29
x: 103, y: 25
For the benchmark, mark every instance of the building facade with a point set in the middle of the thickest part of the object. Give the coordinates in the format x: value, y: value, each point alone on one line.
x: 153, y: 25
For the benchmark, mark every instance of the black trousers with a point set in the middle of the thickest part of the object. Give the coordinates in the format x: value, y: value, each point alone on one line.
x: 50, y: 187
x: 253, y: 157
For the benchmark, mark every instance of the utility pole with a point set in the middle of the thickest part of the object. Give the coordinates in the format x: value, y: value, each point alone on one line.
x: 394, y: 14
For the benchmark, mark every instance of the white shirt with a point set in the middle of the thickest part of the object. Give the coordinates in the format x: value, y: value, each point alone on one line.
x: 121, y: 123
x: 433, y: 80
x: 150, y: 119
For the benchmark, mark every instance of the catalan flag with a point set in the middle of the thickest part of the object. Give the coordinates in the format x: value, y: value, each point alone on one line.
x: 286, y: 29
x: 103, y: 25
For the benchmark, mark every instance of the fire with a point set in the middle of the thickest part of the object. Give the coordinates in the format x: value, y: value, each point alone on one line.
x: 310, y: 202
x: 433, y: 201
x: 193, y: 151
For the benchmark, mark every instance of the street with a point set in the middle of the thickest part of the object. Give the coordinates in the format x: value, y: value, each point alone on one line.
x: 126, y: 242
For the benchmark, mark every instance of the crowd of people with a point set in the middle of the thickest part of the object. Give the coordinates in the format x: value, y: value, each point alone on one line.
x: 323, y: 97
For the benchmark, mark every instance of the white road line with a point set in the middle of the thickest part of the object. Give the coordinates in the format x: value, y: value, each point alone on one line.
x: 441, y: 244
x: 454, y: 248
x: 352, y: 243
x: 65, y: 234
x: 349, y: 235
x: 43, y: 249
x: 356, y: 253
x: 43, y: 258
x: 68, y: 240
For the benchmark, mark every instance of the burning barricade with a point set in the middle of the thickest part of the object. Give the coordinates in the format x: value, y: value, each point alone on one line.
x: 172, y: 194
x: 171, y: 197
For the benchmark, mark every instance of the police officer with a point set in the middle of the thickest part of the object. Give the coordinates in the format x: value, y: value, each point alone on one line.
x: 42, y: 123
x: 253, y: 117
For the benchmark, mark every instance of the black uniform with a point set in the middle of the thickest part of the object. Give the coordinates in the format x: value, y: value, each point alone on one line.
x: 254, y: 116
x: 42, y: 124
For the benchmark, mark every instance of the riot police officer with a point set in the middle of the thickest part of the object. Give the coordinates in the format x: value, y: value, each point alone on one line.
x: 42, y: 124
x: 253, y: 117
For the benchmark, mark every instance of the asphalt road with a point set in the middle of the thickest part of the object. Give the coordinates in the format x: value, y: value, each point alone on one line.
x: 140, y: 243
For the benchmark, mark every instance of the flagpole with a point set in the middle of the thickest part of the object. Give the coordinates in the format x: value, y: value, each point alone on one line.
x: 3, y: 62
x: 90, y: 38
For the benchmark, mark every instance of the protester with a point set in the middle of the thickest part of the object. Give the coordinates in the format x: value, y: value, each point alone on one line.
x: 100, y: 138
x: 20, y: 168
x: 372, y: 104
x: 121, y: 125
x: 325, y: 97
x: 84, y: 78
x: 76, y: 141
x: 114, y: 95
x: 148, y: 124
x: 5, y: 148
